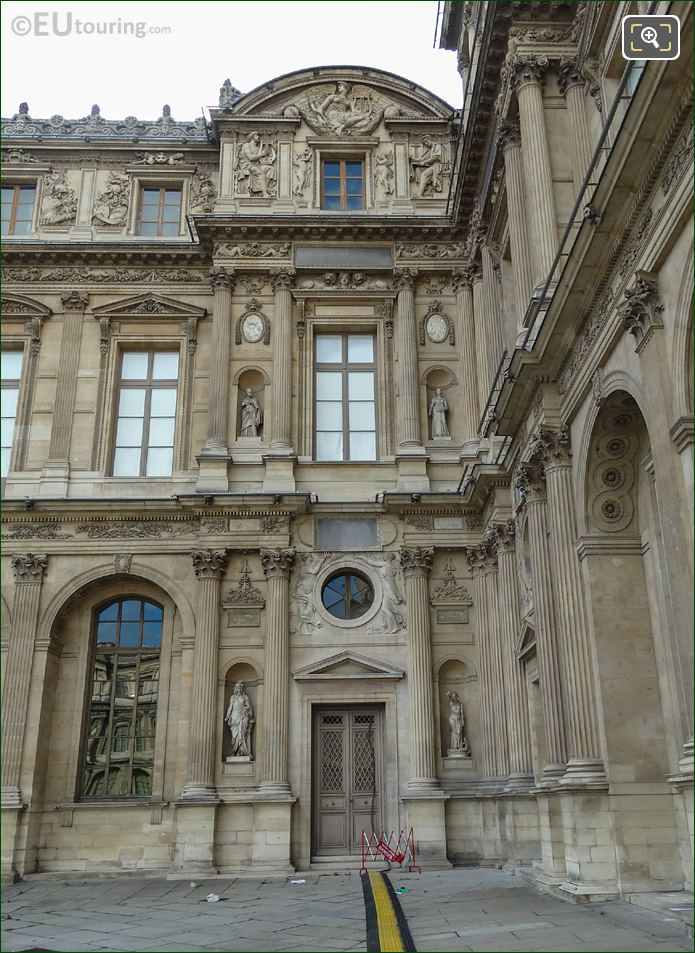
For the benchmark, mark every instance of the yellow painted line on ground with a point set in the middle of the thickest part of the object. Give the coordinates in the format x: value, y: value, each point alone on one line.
x: 390, y: 940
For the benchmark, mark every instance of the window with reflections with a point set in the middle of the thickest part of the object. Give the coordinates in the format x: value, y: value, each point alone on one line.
x: 342, y: 184
x: 122, y: 720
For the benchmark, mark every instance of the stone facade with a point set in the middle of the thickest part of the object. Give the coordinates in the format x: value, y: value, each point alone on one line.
x: 519, y: 671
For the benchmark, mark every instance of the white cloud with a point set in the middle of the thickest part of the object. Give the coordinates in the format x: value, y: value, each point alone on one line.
x: 249, y: 42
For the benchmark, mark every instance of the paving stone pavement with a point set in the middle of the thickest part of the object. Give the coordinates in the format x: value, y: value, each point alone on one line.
x: 463, y: 909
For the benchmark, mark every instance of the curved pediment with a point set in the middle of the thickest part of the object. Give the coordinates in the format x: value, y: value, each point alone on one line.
x: 341, y: 100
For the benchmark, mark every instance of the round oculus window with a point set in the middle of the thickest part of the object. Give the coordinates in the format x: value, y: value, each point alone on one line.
x: 347, y: 595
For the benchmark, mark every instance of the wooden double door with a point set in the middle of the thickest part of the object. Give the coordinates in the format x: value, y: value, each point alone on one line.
x: 348, y: 773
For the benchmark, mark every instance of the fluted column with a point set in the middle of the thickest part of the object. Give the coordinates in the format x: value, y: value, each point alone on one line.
x: 494, y: 312
x: 470, y: 402
x: 406, y: 335
x: 527, y: 76
x: 585, y: 763
x: 29, y: 571
x: 282, y: 280
x: 218, y: 396
x: 209, y: 566
x: 519, y: 735
x: 522, y: 270
x: 416, y: 565
x: 483, y: 562
x: 530, y: 483
x: 476, y: 279
x: 277, y: 566
x: 74, y: 304
x: 571, y: 83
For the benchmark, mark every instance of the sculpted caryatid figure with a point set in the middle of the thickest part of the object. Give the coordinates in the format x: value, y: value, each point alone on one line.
x: 431, y: 163
x: 251, y: 415
x: 255, y: 166
x: 437, y: 411
x: 383, y: 172
x: 458, y: 741
x: 240, y: 721
x: 302, y: 173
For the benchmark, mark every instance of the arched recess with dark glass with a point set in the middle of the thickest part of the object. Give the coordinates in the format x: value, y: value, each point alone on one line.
x: 119, y: 737
x: 347, y: 594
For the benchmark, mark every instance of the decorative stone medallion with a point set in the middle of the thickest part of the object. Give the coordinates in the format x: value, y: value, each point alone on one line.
x: 437, y: 328
x: 253, y: 328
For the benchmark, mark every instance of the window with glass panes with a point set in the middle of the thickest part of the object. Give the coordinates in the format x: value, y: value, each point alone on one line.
x: 10, y: 372
x: 146, y: 414
x: 17, y: 209
x: 118, y: 751
x: 160, y: 212
x: 342, y: 184
x: 345, y: 389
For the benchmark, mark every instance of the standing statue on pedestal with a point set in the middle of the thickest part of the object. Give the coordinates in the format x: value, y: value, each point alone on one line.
x: 251, y: 415
x: 458, y: 745
x: 438, y: 410
x: 240, y: 721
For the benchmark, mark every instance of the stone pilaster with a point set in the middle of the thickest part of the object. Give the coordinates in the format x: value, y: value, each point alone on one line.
x: 29, y: 571
x: 476, y: 280
x: 483, y: 562
x: 277, y: 566
x: 530, y: 483
x: 222, y: 286
x: 406, y: 333
x: 209, y: 566
x: 416, y: 565
x: 493, y: 339
x: 510, y: 141
x: 571, y: 83
x: 469, y: 403
x: 519, y: 737
x: 527, y: 75
x: 585, y: 763
x: 282, y: 280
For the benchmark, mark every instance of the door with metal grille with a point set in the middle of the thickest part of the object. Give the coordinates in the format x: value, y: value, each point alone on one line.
x: 347, y: 781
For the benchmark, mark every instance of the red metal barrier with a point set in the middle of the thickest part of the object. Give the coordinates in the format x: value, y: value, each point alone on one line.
x: 396, y: 850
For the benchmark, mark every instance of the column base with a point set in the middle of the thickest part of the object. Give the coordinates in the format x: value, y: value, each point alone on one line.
x: 412, y: 470
x: 426, y: 816
x: 11, y: 856
x: 11, y: 797
x: 519, y: 782
x: 195, y: 838
x: 551, y: 774
x: 582, y: 772
x: 55, y: 477
x: 279, y: 473
x: 272, y: 823
x: 199, y: 793
x: 213, y: 471
x: 275, y: 789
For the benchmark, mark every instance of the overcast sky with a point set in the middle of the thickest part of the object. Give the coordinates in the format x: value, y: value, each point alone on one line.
x: 249, y: 41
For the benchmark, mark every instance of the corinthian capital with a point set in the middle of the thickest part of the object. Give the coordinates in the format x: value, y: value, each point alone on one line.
x: 404, y: 279
x: 209, y: 563
x: 483, y: 557
x: 528, y: 69
x: 529, y: 482
x: 508, y: 134
x: 553, y: 447
x: 569, y: 74
x: 505, y: 536
x: 641, y: 308
x: 29, y: 568
x: 222, y: 278
x: 277, y: 562
x: 416, y: 562
x: 74, y: 300
x: 282, y: 278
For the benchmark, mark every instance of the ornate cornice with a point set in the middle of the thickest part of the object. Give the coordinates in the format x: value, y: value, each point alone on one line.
x: 95, y: 128
x: 222, y: 278
x: 416, y: 562
x: 74, y: 300
x: 641, y: 309
x: 29, y: 568
x: 209, y: 563
x: 278, y: 562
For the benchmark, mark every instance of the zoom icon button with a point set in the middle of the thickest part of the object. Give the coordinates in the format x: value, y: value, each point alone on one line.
x: 651, y: 38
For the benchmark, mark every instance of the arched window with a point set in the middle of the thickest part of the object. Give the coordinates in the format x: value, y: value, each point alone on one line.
x: 120, y: 730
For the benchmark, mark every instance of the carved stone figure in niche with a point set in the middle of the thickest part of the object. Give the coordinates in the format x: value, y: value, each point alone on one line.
x: 383, y: 172
x: 240, y: 721
x: 429, y: 165
x: 203, y: 193
x: 302, y: 175
x: 343, y: 113
x: 458, y: 744
x: 59, y: 202
x: 438, y: 411
x: 251, y: 415
x: 254, y: 167
x: 112, y: 204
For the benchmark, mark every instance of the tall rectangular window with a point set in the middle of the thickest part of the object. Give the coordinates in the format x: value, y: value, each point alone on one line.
x: 10, y: 372
x: 345, y: 387
x: 160, y: 212
x: 342, y: 184
x: 17, y: 209
x: 144, y: 443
